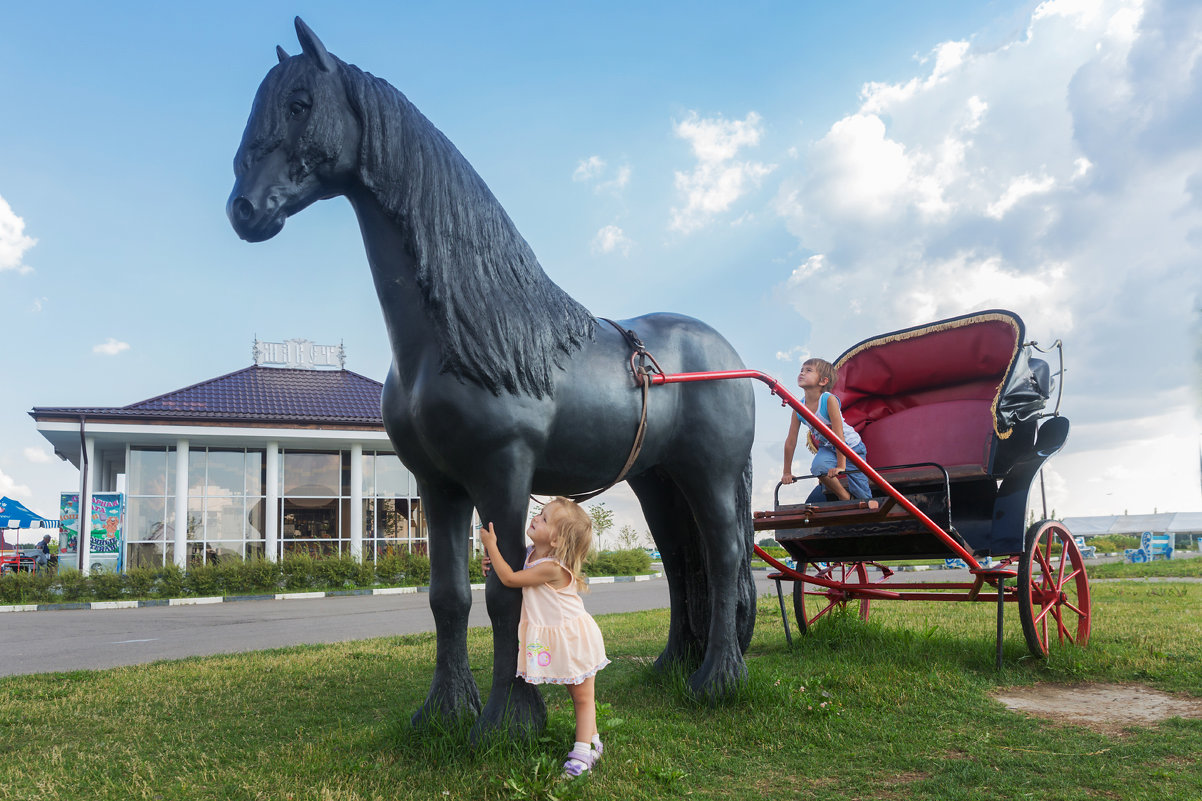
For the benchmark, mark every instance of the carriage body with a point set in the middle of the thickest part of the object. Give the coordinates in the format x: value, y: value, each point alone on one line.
x: 950, y: 413
x: 953, y: 417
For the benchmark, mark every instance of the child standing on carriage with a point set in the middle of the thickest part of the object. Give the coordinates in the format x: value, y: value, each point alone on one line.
x: 816, y: 378
x: 558, y: 642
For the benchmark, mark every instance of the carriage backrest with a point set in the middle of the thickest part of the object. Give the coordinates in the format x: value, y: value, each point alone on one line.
x: 930, y: 393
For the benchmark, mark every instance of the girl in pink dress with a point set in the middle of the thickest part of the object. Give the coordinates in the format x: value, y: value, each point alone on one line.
x: 559, y: 643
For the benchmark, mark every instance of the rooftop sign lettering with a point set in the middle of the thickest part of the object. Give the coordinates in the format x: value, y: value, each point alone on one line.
x: 299, y: 354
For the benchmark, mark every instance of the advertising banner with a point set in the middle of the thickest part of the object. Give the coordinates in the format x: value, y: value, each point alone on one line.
x: 108, y: 510
x: 68, y: 527
x: 105, y: 524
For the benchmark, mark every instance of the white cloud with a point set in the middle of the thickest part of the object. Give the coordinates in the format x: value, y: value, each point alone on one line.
x: 110, y: 347
x: 10, y: 487
x: 718, y: 180
x: 619, y: 180
x: 13, y: 241
x: 1059, y: 175
x: 38, y: 455
x: 1020, y: 188
x: 38, y: 304
x: 589, y: 168
x: 609, y: 239
x: 594, y: 170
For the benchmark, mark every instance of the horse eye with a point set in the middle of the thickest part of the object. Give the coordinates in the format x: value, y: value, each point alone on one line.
x: 297, y: 109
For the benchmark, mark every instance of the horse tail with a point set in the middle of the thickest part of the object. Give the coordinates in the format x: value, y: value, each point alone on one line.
x: 745, y: 612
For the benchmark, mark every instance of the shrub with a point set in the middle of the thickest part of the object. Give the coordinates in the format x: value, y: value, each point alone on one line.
x: 139, y: 582
x: 390, y: 567
x: 775, y: 551
x: 203, y: 580
x: 170, y: 582
x: 106, y: 585
x: 417, y: 569
x: 21, y: 587
x: 475, y: 569
x: 73, y: 585
x: 365, y: 573
x: 1113, y: 543
x: 618, y: 563
x: 335, y: 572
x: 255, y: 575
x: 297, y: 570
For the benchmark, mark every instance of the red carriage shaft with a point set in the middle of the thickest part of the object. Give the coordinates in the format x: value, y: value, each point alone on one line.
x: 787, y: 397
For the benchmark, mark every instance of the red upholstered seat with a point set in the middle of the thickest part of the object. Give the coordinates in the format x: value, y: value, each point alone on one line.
x: 928, y: 394
x: 949, y: 433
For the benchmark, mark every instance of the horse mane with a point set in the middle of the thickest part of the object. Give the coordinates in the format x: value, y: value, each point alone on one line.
x: 499, y: 319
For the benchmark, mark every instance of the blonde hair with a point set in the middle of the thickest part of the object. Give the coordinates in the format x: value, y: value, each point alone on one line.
x: 574, y: 536
x: 825, y: 370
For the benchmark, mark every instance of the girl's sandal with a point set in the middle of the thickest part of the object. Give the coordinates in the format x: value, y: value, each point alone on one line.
x: 579, y: 763
x: 598, y: 750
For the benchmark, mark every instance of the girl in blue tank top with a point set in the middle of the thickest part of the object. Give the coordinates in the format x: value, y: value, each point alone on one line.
x: 815, y: 378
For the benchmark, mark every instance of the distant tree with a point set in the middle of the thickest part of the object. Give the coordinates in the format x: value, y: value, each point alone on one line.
x: 603, y: 520
x: 628, y: 538
x: 767, y: 542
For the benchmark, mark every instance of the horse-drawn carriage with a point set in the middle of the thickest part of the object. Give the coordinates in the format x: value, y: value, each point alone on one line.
x: 953, y: 417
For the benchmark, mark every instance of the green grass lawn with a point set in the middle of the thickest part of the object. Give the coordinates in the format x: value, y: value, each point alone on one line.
x: 895, y: 708
x: 1191, y: 567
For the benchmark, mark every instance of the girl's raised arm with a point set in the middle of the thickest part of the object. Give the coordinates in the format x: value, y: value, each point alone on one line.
x: 543, y: 573
x: 790, y: 447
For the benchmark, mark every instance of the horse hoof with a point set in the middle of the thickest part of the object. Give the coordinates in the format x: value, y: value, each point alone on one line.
x: 517, y: 714
x: 717, y: 679
x: 446, y: 705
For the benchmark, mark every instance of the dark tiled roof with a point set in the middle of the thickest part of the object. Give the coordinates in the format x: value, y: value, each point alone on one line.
x: 257, y: 394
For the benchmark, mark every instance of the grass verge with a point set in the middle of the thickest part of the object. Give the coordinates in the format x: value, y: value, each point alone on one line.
x: 895, y: 708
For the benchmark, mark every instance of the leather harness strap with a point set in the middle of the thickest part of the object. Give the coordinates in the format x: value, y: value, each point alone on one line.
x: 642, y: 371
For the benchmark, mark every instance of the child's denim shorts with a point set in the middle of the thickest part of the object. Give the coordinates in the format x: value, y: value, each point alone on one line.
x: 857, y: 482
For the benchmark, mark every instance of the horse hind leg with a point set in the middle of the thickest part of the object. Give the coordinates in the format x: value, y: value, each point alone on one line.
x: 675, y: 534
x: 722, y: 507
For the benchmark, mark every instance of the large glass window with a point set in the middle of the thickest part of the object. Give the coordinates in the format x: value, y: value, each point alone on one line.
x: 149, y: 505
x: 392, y: 519
x: 225, y: 504
x: 315, y: 475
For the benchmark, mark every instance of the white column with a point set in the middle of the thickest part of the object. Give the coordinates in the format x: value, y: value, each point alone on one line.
x: 85, y: 506
x: 271, y: 514
x: 181, y: 503
x: 357, y: 500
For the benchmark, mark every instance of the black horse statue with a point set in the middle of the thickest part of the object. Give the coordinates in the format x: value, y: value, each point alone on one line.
x: 501, y: 384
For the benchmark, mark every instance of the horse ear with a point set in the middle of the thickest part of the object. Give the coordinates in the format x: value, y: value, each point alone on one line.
x: 313, y: 47
x: 281, y: 54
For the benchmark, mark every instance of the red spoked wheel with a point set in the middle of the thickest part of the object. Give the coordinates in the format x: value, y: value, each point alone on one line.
x: 1053, y: 590
x: 812, y: 601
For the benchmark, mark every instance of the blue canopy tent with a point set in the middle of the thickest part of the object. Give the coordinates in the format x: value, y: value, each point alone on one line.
x: 16, y: 515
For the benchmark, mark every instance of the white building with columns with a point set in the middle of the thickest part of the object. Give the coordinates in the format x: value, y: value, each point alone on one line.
x: 262, y: 462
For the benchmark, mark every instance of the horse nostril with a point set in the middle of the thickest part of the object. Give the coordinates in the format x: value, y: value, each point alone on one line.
x: 243, y: 209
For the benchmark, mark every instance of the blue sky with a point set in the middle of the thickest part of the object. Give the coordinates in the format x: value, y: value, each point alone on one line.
x: 800, y: 175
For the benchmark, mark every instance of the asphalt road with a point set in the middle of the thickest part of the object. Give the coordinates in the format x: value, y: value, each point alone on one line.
x: 61, y: 640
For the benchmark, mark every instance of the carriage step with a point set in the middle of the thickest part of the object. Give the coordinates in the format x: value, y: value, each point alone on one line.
x: 806, y: 514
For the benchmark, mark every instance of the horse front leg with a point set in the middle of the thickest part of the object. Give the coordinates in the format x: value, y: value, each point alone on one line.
x: 514, y: 708
x: 453, y: 692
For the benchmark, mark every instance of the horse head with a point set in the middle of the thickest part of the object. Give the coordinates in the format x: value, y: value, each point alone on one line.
x: 301, y: 141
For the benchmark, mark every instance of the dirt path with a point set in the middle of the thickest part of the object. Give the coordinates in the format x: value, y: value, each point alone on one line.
x: 1106, y: 708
